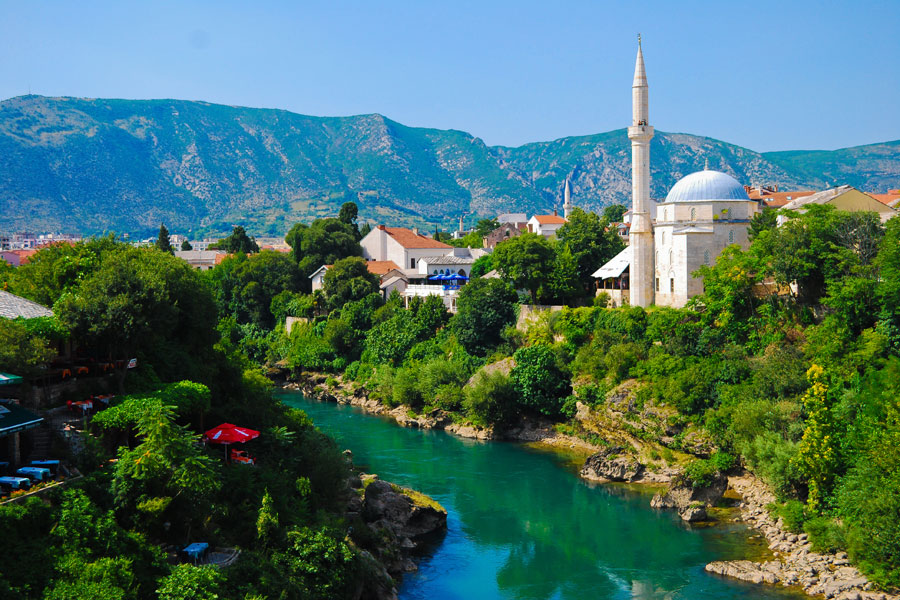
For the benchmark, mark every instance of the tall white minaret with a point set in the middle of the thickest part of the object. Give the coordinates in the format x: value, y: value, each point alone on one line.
x: 567, y: 201
x: 641, y: 233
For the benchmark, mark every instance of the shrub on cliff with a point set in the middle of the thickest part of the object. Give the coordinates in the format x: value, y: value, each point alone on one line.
x: 491, y: 399
x: 541, y: 384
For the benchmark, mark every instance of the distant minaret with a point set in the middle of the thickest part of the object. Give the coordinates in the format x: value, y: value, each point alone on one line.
x: 567, y: 204
x: 641, y: 233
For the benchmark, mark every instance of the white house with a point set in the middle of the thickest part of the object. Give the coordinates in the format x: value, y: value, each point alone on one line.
x: 545, y: 225
x: 401, y: 245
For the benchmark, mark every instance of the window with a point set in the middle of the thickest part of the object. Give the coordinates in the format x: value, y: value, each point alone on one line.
x: 672, y: 286
x: 706, y: 257
x: 670, y: 258
x: 731, y: 236
x: 693, y: 214
x: 657, y: 284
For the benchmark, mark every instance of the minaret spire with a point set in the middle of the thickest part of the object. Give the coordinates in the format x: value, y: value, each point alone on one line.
x: 567, y: 201
x: 640, y: 133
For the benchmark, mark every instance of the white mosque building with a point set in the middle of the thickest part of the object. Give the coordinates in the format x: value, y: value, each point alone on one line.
x: 703, y: 213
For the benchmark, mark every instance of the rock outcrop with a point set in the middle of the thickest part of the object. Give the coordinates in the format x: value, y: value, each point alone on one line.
x: 611, y: 464
x: 690, y: 501
x: 387, y: 506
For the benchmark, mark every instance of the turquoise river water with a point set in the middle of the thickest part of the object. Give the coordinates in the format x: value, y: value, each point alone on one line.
x: 522, y: 525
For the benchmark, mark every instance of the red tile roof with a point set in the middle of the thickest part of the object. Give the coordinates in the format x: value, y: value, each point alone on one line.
x: 380, y: 267
x: 549, y: 219
x: 410, y: 239
x: 777, y: 199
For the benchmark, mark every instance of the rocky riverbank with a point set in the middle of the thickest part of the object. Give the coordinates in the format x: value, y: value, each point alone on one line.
x: 316, y: 386
x: 794, y: 562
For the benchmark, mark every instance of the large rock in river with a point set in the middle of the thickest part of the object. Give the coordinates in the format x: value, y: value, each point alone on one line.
x: 691, y: 501
x: 389, y: 506
x: 611, y: 465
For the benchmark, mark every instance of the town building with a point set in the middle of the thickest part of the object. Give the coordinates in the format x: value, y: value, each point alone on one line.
x: 401, y: 245
x: 504, y: 232
x: 843, y: 197
x: 202, y: 260
x: 545, y: 225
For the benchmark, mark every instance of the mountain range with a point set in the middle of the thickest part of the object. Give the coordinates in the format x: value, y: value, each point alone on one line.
x: 89, y: 166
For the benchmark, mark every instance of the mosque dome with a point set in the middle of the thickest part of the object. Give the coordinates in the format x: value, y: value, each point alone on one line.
x: 704, y: 186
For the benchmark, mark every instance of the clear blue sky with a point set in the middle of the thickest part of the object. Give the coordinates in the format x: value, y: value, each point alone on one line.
x: 766, y: 75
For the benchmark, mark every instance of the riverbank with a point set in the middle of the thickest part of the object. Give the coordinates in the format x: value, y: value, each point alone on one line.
x: 794, y: 563
x: 333, y: 389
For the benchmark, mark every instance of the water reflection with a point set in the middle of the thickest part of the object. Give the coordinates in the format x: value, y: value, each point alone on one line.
x: 522, y: 527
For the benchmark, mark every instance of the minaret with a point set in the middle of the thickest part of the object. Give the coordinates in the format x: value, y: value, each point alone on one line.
x: 567, y: 203
x: 641, y: 233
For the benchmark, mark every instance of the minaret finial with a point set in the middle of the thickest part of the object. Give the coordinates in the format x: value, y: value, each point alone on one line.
x: 639, y: 40
x: 706, y: 164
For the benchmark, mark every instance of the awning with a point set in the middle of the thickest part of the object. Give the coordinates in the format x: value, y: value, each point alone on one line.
x: 14, y: 418
x: 9, y: 379
x: 615, y: 266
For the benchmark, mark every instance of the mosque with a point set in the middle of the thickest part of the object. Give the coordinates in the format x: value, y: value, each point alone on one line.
x: 702, y: 214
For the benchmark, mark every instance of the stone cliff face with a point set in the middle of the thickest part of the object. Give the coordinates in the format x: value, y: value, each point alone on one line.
x: 93, y: 165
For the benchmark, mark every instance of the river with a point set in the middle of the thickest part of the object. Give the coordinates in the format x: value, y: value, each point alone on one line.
x: 522, y: 525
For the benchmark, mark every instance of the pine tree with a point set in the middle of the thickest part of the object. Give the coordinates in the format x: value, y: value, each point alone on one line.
x: 162, y: 242
x: 186, y: 245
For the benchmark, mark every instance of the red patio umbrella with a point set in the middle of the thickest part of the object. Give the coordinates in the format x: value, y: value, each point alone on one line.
x: 228, y: 433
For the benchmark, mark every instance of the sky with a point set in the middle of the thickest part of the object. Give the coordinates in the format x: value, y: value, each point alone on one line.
x: 767, y: 75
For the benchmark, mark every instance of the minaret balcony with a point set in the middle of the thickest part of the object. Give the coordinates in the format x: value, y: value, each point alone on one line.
x: 640, y: 133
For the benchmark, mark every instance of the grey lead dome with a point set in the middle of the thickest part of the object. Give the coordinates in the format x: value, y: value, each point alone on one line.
x: 704, y: 186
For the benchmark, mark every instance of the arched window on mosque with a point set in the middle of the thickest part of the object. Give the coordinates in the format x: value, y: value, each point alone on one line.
x: 670, y: 257
x: 693, y: 214
x: 706, y: 257
x: 731, y: 236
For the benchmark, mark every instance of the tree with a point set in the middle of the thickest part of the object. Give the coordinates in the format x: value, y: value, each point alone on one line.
x: 348, y: 214
x: 22, y: 352
x: 348, y: 280
x: 324, y: 242
x: 591, y: 241
x: 817, y: 455
x: 143, y: 300
x: 485, y: 307
x: 614, y: 213
x: 541, y: 384
x: 820, y: 246
x: 186, y: 245
x: 563, y: 285
x: 482, y: 265
x: 237, y: 242
x: 162, y: 241
x: 247, y: 285
x: 526, y: 261
x: 485, y: 226
x: 766, y: 220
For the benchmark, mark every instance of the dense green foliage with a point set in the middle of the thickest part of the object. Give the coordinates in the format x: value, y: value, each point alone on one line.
x: 103, y: 537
